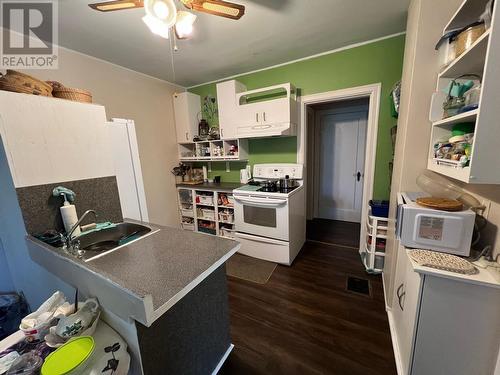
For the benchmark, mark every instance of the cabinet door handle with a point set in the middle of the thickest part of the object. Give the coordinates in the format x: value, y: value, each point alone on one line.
x: 187, y: 136
x: 257, y: 117
x: 264, y: 114
x: 221, y: 133
x: 400, y: 294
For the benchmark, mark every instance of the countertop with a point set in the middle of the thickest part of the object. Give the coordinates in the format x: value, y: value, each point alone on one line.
x: 223, y: 186
x: 487, y: 276
x: 156, y: 270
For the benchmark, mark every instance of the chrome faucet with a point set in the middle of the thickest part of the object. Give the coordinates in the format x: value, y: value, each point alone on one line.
x: 68, y: 239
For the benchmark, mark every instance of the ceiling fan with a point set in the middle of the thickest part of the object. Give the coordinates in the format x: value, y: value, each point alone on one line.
x: 216, y: 7
x: 162, y: 15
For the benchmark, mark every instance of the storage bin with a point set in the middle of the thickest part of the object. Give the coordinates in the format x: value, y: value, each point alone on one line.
x: 205, y: 199
x: 187, y: 226
x: 207, y: 230
x: 227, y: 217
x: 380, y: 208
x: 226, y: 232
x: 207, y: 214
x: 185, y: 196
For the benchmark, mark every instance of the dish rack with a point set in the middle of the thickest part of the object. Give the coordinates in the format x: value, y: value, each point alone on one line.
x: 373, y: 251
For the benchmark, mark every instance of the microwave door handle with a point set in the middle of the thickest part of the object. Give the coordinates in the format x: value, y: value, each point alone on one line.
x: 261, y: 202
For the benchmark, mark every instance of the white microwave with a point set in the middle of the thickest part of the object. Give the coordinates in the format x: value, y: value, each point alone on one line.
x: 425, y: 228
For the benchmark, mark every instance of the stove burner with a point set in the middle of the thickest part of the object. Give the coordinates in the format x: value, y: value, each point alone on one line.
x: 269, y: 187
x: 273, y: 187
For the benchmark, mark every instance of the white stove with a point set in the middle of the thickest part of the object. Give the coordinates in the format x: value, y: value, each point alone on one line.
x: 270, y: 217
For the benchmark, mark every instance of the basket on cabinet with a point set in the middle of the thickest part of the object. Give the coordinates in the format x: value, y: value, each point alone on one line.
x: 373, y: 251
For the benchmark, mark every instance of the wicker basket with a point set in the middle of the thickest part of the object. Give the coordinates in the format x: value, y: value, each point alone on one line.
x: 76, y: 95
x: 19, y: 82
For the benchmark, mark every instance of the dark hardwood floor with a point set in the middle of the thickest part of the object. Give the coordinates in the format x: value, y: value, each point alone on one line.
x: 343, y: 233
x: 303, y: 321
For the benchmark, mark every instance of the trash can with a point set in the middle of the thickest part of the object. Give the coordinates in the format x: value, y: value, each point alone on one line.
x: 13, y: 308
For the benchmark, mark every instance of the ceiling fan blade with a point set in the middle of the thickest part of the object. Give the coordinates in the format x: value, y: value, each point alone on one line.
x: 109, y: 6
x: 217, y: 7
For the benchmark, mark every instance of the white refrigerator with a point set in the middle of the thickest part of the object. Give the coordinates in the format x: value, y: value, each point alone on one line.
x: 128, y: 169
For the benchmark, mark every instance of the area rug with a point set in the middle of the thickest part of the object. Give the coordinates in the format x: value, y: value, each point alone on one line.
x: 250, y: 269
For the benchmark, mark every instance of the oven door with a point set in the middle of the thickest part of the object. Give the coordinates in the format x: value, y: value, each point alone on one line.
x: 261, y: 216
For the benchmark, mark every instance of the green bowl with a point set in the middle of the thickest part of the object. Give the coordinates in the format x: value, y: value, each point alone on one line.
x: 69, y: 356
x: 462, y: 128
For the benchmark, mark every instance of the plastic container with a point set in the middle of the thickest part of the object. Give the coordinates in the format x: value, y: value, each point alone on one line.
x: 467, y: 37
x: 69, y: 358
x: 207, y: 230
x: 206, y: 214
x: 26, y: 364
x: 226, y: 232
x: 380, y: 208
x: 205, y: 199
x: 188, y: 226
x: 226, y: 217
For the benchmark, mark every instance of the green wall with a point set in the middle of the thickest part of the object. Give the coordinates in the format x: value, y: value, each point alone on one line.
x: 376, y: 62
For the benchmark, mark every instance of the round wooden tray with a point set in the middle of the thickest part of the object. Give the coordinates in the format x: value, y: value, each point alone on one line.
x: 443, y: 204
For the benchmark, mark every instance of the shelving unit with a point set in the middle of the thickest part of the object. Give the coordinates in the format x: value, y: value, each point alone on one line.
x: 207, y: 211
x: 483, y: 59
x: 216, y: 150
x: 373, y: 256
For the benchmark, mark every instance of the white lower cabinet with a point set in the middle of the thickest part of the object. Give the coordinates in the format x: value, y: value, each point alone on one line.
x: 443, y: 326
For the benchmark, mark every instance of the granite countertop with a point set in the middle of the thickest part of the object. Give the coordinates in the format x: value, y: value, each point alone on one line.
x: 223, y: 186
x: 156, y: 270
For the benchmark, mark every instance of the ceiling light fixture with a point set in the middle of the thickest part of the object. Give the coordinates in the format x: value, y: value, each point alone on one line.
x: 184, y: 24
x: 160, y: 16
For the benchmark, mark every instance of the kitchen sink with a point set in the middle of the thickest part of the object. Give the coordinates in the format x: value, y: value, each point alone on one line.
x: 97, y: 242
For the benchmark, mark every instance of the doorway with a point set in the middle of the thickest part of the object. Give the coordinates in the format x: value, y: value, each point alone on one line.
x: 338, y: 142
x: 336, y: 133
x: 305, y: 145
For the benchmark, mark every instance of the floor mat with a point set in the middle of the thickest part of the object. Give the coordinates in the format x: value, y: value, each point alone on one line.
x: 250, y: 269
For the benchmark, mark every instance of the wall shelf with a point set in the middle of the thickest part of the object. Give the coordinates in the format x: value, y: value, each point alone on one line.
x: 469, y: 116
x: 469, y: 62
x: 221, y: 228
x: 482, y: 58
x: 214, y: 150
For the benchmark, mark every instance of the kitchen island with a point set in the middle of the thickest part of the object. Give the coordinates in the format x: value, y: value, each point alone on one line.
x: 165, y: 293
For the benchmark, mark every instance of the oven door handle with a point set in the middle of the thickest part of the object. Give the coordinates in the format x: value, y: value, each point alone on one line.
x: 260, y: 202
x: 260, y: 239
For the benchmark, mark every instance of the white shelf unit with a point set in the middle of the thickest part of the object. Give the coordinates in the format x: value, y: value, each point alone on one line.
x: 215, y: 150
x: 482, y: 58
x: 215, y: 208
x: 373, y: 254
x: 187, y: 208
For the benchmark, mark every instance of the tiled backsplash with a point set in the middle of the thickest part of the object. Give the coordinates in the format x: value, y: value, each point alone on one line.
x: 41, y: 210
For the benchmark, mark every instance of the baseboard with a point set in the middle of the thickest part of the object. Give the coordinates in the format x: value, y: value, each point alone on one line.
x: 223, y: 359
x: 395, y: 346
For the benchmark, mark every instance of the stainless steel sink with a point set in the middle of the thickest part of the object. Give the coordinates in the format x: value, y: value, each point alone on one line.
x: 95, y: 243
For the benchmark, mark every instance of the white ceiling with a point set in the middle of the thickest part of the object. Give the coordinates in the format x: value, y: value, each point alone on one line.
x: 271, y: 32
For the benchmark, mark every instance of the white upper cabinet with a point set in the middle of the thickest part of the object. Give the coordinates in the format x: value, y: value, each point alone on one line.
x: 226, y: 103
x: 51, y: 140
x: 187, y: 108
x: 264, y: 112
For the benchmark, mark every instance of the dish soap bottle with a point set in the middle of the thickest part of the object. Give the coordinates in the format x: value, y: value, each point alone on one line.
x: 68, y: 210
